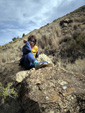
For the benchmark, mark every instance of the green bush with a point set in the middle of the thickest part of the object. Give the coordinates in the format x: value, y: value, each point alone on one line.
x: 14, y: 39
x: 23, y: 35
x: 7, y: 91
x: 79, y: 41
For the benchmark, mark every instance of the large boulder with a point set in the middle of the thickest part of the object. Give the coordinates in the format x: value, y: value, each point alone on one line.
x: 53, y: 90
x: 21, y: 75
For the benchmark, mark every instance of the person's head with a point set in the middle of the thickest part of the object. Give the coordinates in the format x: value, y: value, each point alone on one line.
x: 32, y: 40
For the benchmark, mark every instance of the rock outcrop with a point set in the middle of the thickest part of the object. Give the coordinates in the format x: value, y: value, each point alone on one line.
x: 46, y: 90
x: 53, y: 90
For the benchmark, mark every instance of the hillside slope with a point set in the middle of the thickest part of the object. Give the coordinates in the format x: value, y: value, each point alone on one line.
x: 63, y: 40
x: 59, y: 88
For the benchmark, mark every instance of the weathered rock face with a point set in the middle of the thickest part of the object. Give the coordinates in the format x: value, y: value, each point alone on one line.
x: 13, y: 74
x: 46, y: 90
x: 53, y: 90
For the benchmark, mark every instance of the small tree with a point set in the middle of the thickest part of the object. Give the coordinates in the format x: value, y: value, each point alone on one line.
x: 14, y: 39
x: 23, y: 35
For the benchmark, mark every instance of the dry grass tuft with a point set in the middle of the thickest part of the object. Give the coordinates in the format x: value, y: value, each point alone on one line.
x: 47, y: 40
x: 79, y: 19
x: 57, y: 31
x: 75, y: 26
x: 78, y: 66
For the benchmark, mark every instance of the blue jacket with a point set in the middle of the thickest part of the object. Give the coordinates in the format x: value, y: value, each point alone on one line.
x: 24, y: 62
x: 26, y: 48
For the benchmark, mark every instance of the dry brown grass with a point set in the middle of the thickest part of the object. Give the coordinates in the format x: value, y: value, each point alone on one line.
x: 78, y: 66
x: 61, y: 38
x: 57, y: 31
x: 79, y: 19
x: 47, y: 40
x: 75, y: 26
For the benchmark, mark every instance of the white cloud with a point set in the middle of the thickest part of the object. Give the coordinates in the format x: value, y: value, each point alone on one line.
x: 18, y: 17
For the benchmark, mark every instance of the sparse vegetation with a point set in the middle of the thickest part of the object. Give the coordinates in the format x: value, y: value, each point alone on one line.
x: 3, y: 60
x: 14, y: 39
x: 0, y: 47
x: 55, y: 20
x: 78, y: 66
x: 78, y: 40
x: 23, y: 35
x: 57, y: 31
x: 7, y: 91
x: 75, y: 26
x: 18, y: 37
x: 48, y: 40
x: 79, y: 19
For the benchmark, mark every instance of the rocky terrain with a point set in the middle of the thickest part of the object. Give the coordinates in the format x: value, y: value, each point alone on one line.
x: 59, y: 88
x: 46, y: 90
x: 53, y: 90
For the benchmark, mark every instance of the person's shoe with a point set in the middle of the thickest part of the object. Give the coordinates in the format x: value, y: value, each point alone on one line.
x: 41, y: 64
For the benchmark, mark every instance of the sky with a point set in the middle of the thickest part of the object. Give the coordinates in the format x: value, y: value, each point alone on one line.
x: 23, y: 16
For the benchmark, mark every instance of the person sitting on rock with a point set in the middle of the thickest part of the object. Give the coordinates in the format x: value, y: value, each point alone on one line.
x: 30, y: 53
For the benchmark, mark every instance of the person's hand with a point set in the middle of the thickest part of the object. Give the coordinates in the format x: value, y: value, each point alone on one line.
x: 24, y: 41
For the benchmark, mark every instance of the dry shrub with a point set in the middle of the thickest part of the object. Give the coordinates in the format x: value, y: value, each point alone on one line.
x: 64, y: 39
x: 82, y: 28
x: 79, y: 19
x: 53, y: 42
x: 75, y: 26
x: 79, y: 38
x: 40, y: 42
x: 47, y: 40
x: 57, y: 31
x: 42, y: 30
x: 38, y: 36
x: 49, y: 29
x: 78, y: 66
x: 0, y: 58
x: 76, y: 33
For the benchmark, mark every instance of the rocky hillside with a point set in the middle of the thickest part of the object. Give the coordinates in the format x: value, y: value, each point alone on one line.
x: 46, y: 90
x: 59, y: 88
x: 63, y: 40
